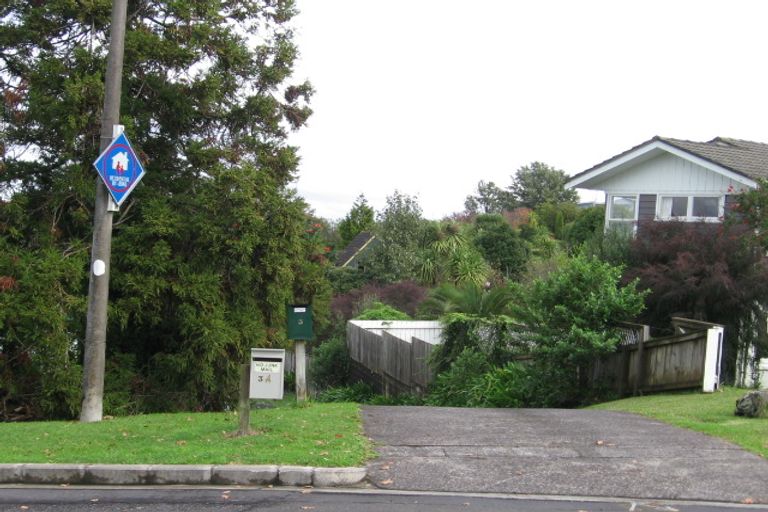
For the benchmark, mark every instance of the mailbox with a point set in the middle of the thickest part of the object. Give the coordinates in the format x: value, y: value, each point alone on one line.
x: 300, y: 322
x: 267, y: 370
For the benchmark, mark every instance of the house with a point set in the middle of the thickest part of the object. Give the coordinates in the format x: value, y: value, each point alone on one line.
x: 673, y: 179
x: 350, y: 256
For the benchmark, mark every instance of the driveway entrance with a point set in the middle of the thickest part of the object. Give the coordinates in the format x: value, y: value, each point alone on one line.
x: 553, y: 451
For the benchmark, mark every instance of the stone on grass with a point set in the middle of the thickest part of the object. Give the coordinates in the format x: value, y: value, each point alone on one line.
x: 753, y: 405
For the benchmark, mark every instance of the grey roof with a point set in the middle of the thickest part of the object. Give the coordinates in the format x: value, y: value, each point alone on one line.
x: 356, y: 246
x: 740, y: 156
x: 743, y: 157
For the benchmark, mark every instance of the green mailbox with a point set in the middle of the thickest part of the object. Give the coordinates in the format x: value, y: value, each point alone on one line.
x: 300, y: 322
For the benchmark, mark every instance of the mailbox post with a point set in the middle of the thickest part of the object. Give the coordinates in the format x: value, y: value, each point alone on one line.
x: 300, y: 330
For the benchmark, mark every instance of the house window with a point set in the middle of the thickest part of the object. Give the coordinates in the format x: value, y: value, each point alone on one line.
x: 706, y: 207
x: 674, y: 207
x: 622, y: 213
x: 690, y: 208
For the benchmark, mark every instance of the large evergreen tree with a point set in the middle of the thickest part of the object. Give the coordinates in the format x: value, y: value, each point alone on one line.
x: 538, y: 183
x: 400, y: 231
x: 359, y: 219
x: 489, y: 199
x: 210, y: 246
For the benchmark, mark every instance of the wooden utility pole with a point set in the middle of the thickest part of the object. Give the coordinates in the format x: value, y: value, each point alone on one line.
x: 98, y: 288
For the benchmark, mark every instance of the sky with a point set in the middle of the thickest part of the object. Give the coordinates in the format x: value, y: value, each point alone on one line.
x: 429, y: 97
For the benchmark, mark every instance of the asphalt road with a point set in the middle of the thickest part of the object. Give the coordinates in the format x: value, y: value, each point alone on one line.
x: 557, y: 452
x: 163, y: 499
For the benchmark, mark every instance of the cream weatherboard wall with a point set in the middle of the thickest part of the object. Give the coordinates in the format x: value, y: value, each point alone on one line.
x: 669, y: 174
x: 666, y: 175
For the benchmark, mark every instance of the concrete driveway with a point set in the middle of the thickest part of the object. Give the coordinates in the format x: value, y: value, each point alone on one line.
x: 553, y: 451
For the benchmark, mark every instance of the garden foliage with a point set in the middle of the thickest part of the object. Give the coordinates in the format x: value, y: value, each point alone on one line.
x: 712, y: 272
x: 330, y: 364
x: 405, y: 296
x: 562, y: 325
x: 381, y: 311
x: 210, y: 246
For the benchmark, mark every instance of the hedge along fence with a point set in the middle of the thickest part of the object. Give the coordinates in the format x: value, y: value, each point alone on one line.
x: 498, y: 337
x: 398, y: 355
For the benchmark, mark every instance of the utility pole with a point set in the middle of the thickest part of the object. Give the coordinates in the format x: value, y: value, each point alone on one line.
x: 98, y: 288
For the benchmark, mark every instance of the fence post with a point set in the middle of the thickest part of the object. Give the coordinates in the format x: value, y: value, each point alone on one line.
x: 644, y: 335
x: 623, y: 370
x: 713, y: 353
x: 244, y: 401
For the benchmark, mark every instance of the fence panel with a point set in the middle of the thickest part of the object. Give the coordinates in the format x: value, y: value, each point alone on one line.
x: 421, y: 372
x: 364, y: 347
x: 660, y: 364
x: 396, y: 361
x: 675, y: 363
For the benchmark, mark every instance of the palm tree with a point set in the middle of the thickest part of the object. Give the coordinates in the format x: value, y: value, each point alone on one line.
x: 470, y: 299
x: 451, y: 258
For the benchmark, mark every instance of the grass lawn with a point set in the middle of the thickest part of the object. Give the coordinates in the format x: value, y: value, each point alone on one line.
x: 325, y: 435
x: 711, y: 413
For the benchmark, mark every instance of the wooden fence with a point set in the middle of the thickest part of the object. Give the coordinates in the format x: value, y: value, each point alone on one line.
x: 388, y: 362
x: 689, y: 359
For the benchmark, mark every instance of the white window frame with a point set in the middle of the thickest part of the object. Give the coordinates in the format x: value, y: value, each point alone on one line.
x: 689, y: 213
x: 610, y: 219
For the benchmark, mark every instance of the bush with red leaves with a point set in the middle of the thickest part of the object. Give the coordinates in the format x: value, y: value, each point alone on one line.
x: 704, y: 271
x: 404, y: 296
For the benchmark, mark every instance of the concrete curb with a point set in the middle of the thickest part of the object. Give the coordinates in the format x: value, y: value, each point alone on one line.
x: 166, y: 474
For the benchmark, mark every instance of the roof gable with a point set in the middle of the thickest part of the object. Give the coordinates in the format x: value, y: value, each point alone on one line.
x: 354, y: 248
x: 742, y: 161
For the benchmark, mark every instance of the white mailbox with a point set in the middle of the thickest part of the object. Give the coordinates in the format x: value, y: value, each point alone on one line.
x: 267, y: 369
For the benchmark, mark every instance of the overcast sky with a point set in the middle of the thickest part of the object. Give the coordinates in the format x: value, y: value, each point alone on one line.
x: 431, y: 96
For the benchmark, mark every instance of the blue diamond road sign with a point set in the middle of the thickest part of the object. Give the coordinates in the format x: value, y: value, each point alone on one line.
x: 119, y: 168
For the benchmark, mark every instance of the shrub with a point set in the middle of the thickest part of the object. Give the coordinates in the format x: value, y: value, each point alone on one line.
x: 123, y: 385
x: 405, y: 296
x: 41, y: 310
x: 344, y: 279
x: 401, y: 399
x: 329, y: 366
x: 712, y: 272
x: 459, y: 384
x: 612, y: 246
x: 496, y: 338
x: 569, y: 317
x: 380, y: 311
x: 359, y: 392
x: 500, y: 245
x: 511, y: 385
x: 587, y: 224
